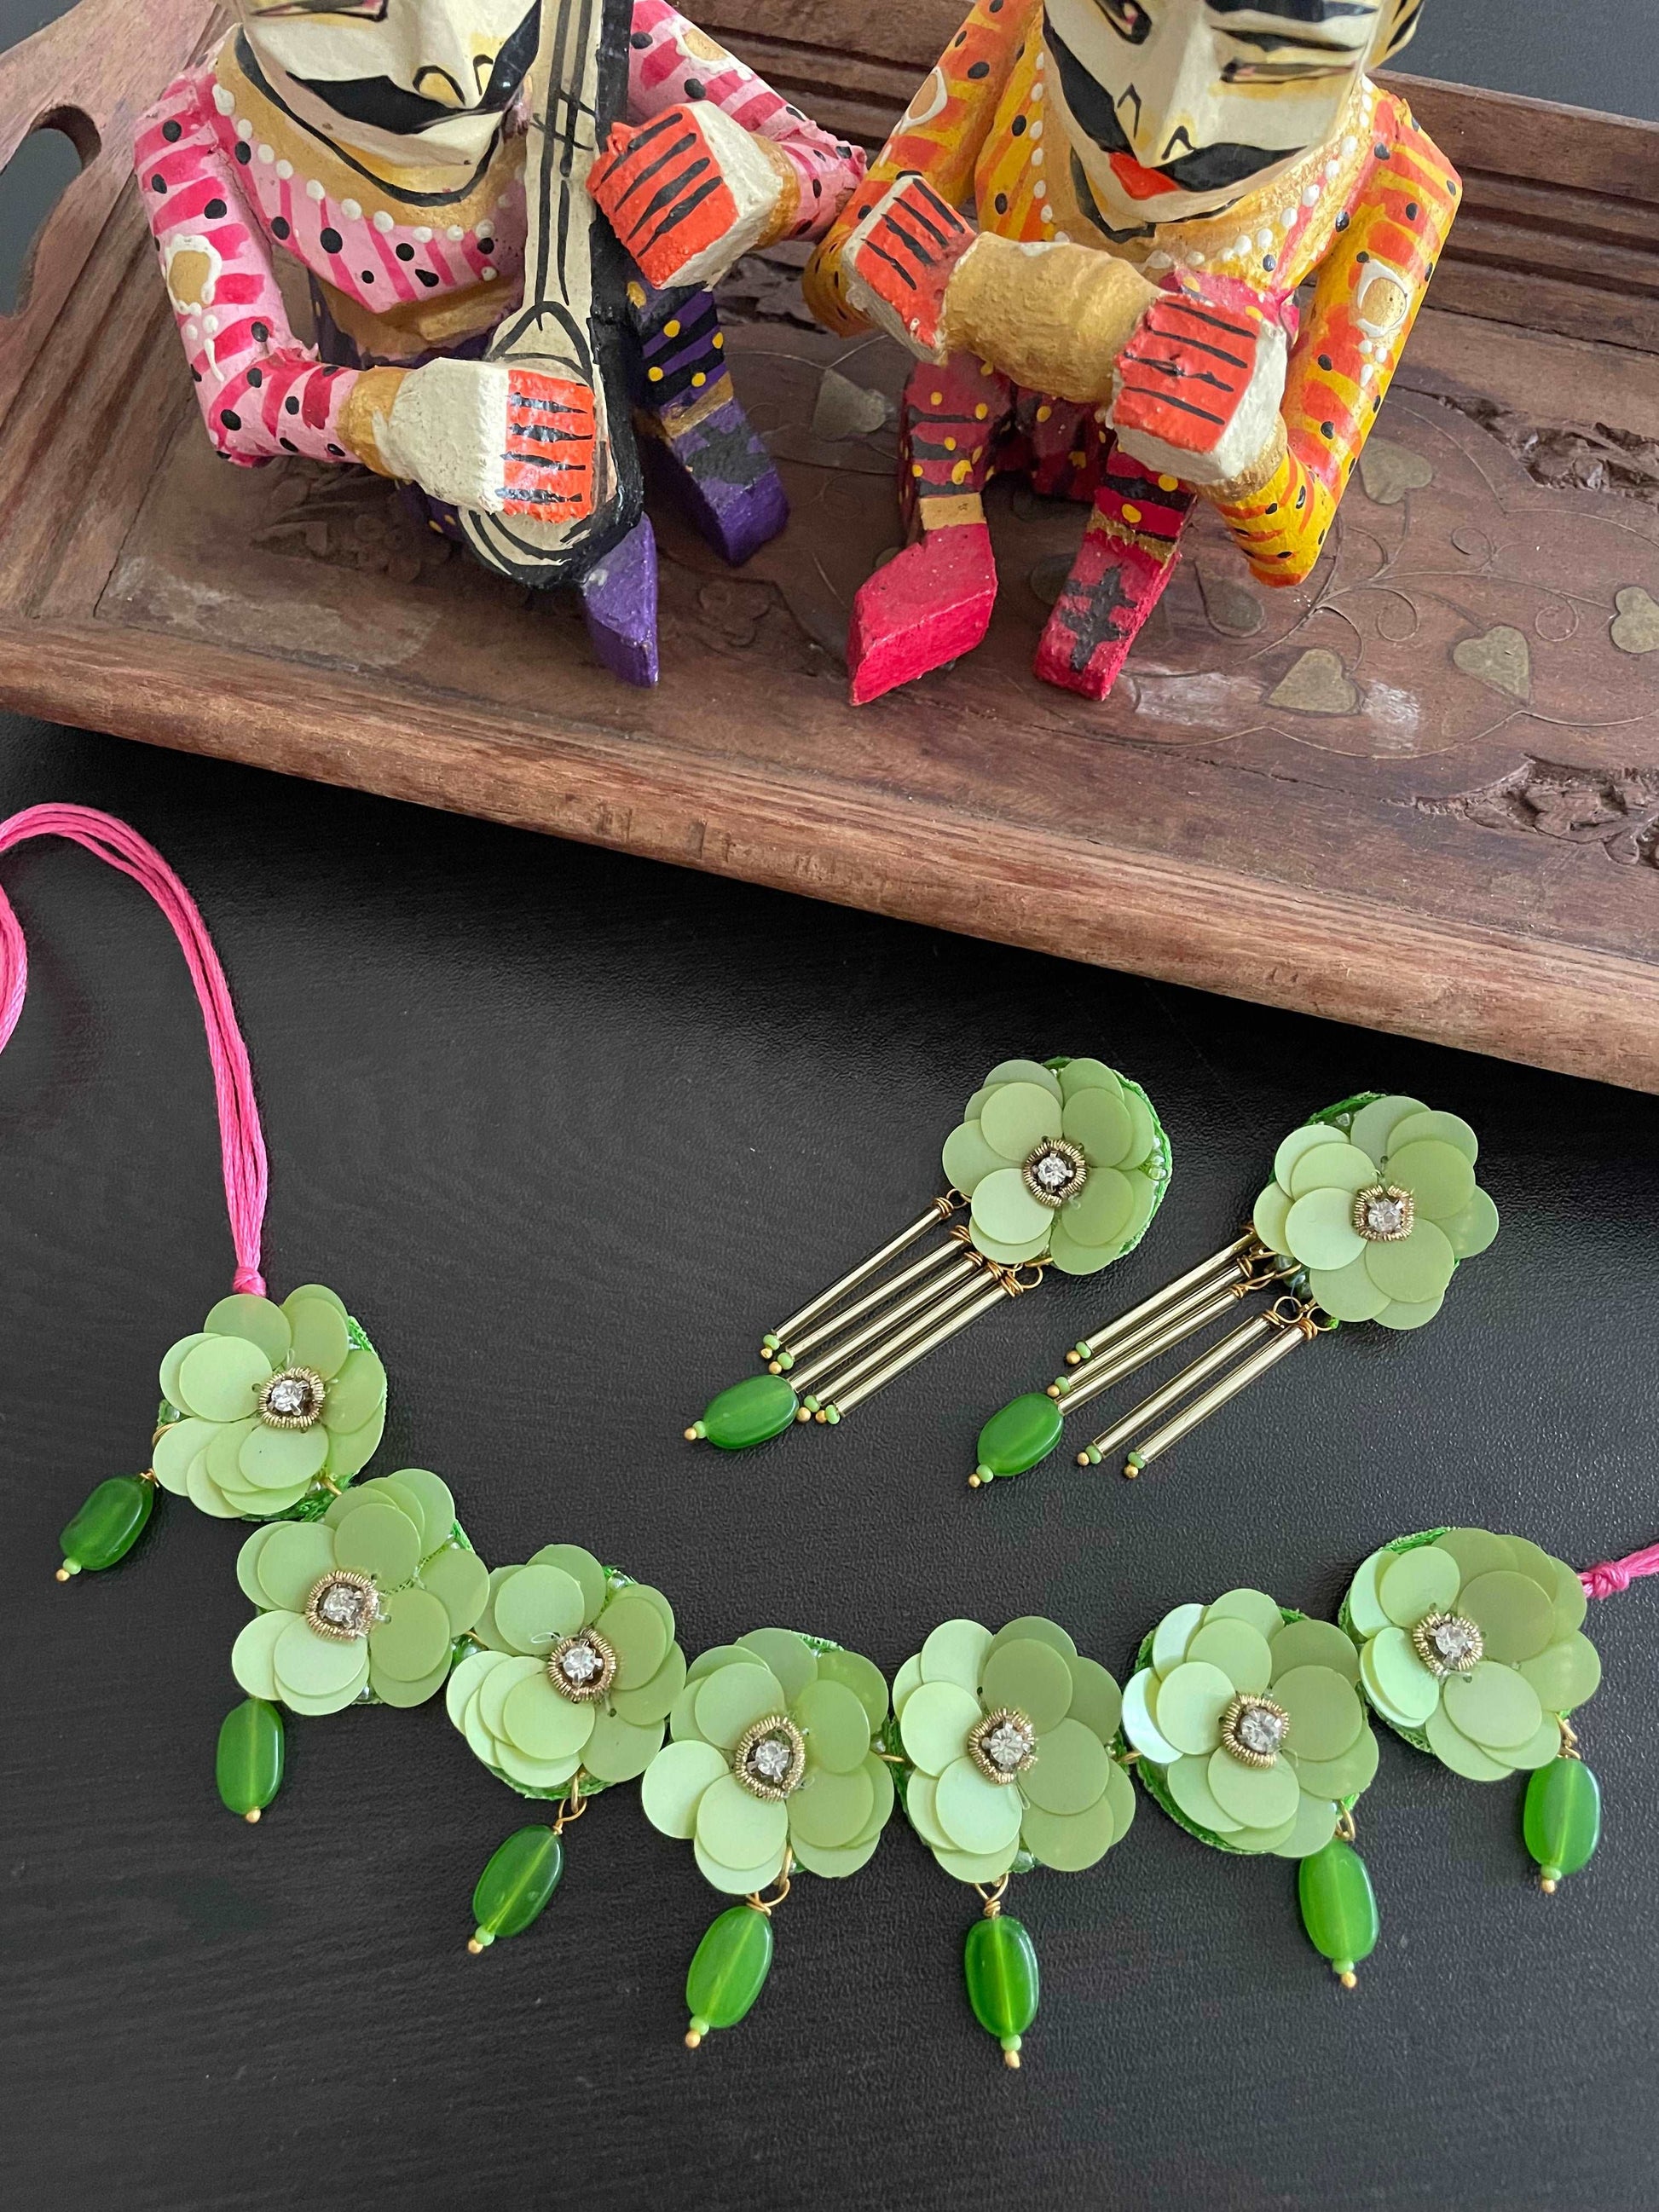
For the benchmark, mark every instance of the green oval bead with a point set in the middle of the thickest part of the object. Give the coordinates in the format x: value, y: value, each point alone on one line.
x: 1024, y: 1433
x: 523, y: 1873
x: 999, y: 1963
x: 1339, y: 1905
x: 749, y: 1411
x: 248, y: 1767
x: 729, y: 1968
x: 1562, y: 1821
x: 109, y: 1524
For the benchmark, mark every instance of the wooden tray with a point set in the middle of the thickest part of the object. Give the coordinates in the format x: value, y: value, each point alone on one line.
x: 1421, y: 794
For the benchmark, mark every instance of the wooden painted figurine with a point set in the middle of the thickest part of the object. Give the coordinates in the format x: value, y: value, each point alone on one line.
x: 429, y: 170
x: 1150, y: 181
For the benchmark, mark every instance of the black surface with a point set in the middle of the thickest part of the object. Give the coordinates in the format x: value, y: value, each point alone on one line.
x: 568, y: 1130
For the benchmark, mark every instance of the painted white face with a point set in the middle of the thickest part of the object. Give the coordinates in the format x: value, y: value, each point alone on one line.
x: 426, y: 79
x: 1176, y: 108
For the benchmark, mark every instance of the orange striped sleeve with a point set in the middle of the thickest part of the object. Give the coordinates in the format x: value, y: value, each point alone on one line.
x: 1366, y: 297
x: 938, y: 136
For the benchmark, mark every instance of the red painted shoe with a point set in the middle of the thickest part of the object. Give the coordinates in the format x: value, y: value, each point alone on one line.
x: 1111, y: 590
x: 930, y: 603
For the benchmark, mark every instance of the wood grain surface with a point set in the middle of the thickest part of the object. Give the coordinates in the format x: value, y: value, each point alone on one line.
x: 1421, y: 794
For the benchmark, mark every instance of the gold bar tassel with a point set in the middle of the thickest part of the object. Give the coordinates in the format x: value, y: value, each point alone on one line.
x: 848, y: 1399
x: 940, y: 1209
x: 1099, y: 1375
x: 1287, y: 1336
x: 783, y: 1361
x: 833, y: 1376
x: 1177, y: 1388
x: 1236, y: 1258
x: 885, y: 1324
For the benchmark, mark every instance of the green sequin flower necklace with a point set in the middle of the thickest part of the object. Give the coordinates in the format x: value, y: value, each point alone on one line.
x: 780, y: 1755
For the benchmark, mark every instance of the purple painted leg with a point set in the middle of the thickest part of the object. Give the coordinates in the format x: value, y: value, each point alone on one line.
x: 696, y: 435
x: 619, y: 605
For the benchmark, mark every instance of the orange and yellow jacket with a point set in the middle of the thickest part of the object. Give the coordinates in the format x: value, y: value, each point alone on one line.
x: 1365, y: 216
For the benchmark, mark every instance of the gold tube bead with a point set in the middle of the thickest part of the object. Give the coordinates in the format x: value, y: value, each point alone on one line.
x: 939, y: 1211
x: 1196, y: 1278
x: 847, y: 1314
x: 1141, y: 1350
x: 834, y: 1379
x: 1284, y: 1341
x: 846, y: 1400
x: 1179, y: 1386
x: 885, y: 1321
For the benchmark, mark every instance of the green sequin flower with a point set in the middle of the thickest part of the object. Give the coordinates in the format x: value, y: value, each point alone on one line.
x: 268, y: 1405
x: 772, y: 1757
x: 371, y: 1598
x: 1378, y: 1202
x: 580, y: 1670
x: 1471, y: 1647
x: 1067, y: 1161
x: 1007, y: 1739
x: 1250, y: 1724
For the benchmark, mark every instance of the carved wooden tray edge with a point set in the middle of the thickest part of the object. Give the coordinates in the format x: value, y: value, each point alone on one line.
x: 1550, y: 1004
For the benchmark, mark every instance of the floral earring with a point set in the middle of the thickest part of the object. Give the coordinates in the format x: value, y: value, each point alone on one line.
x: 1372, y: 1208
x: 1006, y: 1763
x: 1471, y: 1648
x: 368, y: 1605
x: 1057, y: 1163
x: 566, y: 1695
x: 1246, y: 1720
x: 774, y: 1769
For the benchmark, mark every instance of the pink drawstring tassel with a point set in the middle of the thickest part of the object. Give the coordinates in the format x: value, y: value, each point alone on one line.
x: 1615, y: 1575
x: 243, y: 1144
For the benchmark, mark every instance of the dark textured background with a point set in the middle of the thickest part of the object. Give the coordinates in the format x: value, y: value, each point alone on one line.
x: 568, y: 1130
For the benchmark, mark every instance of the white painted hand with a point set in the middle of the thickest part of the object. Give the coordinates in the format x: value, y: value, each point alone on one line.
x: 495, y: 436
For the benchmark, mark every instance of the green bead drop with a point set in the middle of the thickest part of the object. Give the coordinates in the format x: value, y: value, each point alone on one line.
x: 1024, y: 1433
x: 522, y: 1873
x: 1562, y: 1821
x: 248, y: 1766
x: 728, y: 1971
x: 108, y: 1525
x: 1000, y: 1964
x: 1338, y: 1906
x: 749, y: 1412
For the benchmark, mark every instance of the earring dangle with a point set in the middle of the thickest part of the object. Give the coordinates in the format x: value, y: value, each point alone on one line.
x: 566, y: 1693
x: 267, y: 1412
x: 1372, y: 1208
x: 1250, y: 1730
x: 1060, y: 1163
x: 1009, y: 1759
x: 775, y: 1768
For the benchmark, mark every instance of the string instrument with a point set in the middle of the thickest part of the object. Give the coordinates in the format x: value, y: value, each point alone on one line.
x: 566, y: 338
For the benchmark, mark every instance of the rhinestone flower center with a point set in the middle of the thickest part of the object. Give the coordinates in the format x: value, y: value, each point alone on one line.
x: 771, y: 1759
x: 582, y: 1666
x: 1255, y: 1731
x: 293, y: 1398
x: 344, y: 1606
x: 1054, y: 1170
x: 1383, y: 1213
x: 1003, y: 1744
x: 1448, y: 1643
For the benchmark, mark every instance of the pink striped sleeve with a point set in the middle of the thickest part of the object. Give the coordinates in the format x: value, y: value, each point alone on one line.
x: 671, y: 60
x: 261, y: 392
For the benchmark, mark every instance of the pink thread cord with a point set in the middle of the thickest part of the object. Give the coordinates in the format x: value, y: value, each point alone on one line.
x: 1615, y: 1575
x: 247, y: 1175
